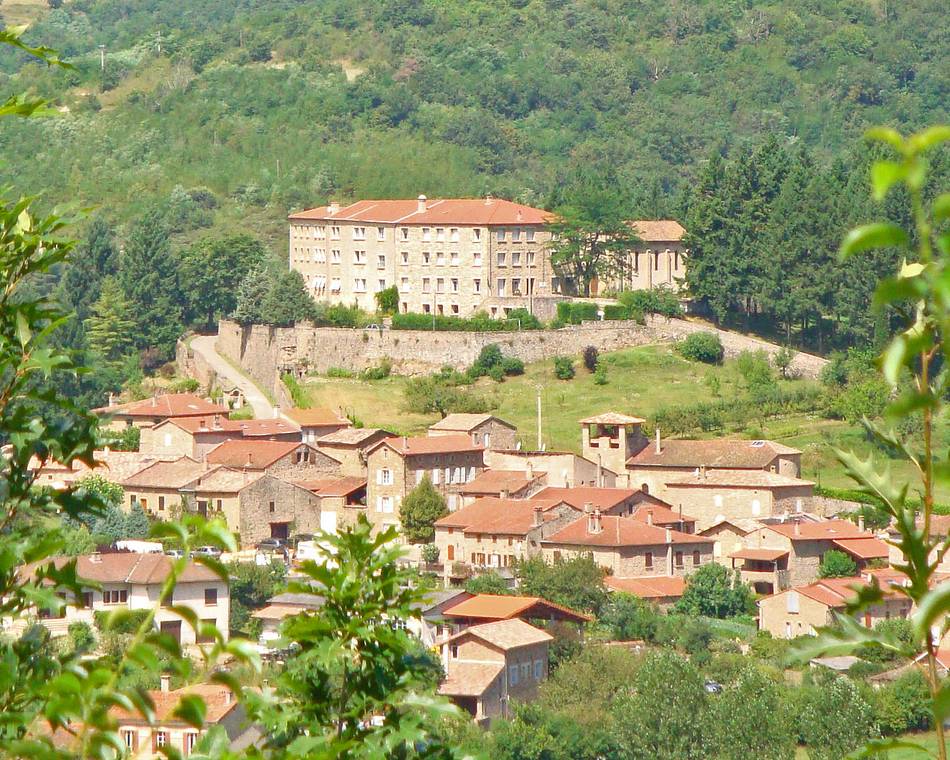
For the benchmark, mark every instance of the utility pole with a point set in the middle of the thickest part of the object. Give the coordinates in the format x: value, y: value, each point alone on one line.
x: 102, y: 57
x: 540, y: 444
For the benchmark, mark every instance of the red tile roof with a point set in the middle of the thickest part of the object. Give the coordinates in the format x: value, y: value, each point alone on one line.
x: 219, y: 701
x: 255, y: 455
x: 612, y: 418
x: 333, y: 486
x: 659, y: 230
x: 648, y: 586
x: 461, y: 211
x: 499, y: 607
x: 508, y: 517
x: 832, y: 530
x: 171, y: 475
x: 129, y: 567
x: 764, y: 555
x: 510, y: 633
x: 620, y: 531
x: 356, y: 437
x: 169, y: 405
x: 315, y: 417
x: 662, y: 514
x: 721, y: 452
x: 864, y: 548
x: 439, y: 444
x: 602, y: 498
x: 221, y: 423
x: 496, y: 481
x: 466, y: 423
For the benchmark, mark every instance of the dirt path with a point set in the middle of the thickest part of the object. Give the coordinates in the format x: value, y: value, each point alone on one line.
x: 204, y: 345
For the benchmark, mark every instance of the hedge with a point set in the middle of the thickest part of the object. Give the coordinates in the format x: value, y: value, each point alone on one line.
x: 479, y: 322
x: 575, y: 312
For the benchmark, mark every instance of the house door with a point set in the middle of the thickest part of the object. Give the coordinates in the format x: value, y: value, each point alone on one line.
x: 450, y: 552
x: 280, y: 530
x: 203, y: 508
x: 173, y: 628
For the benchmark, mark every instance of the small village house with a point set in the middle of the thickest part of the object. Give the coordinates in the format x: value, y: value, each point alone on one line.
x: 316, y: 423
x: 285, y: 459
x: 349, y: 447
x: 562, y: 469
x: 157, y: 488
x: 503, y: 484
x: 196, y: 436
x: 151, y: 411
x: 340, y: 500
x: 491, y: 431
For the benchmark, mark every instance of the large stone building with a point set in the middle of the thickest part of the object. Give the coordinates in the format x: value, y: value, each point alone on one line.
x: 658, y: 261
x: 451, y: 257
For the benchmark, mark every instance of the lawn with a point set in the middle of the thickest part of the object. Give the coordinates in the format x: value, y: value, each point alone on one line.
x: 928, y: 740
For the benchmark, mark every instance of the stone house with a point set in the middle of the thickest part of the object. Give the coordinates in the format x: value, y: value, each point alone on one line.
x: 255, y: 504
x: 621, y: 501
x: 503, y: 484
x: 151, y: 411
x: 610, y: 439
x: 134, y: 581
x: 340, y: 500
x: 397, y: 465
x: 279, y: 608
x: 655, y: 464
x: 494, y: 533
x: 349, y: 447
x: 800, y: 610
x: 316, y: 423
x: 285, y: 459
x: 729, y: 536
x: 487, y: 666
x: 157, y: 488
x: 475, y: 609
x: 562, y: 469
x: 491, y: 431
x: 114, y: 466
x: 661, y: 590
x: 716, y: 495
x: 781, y: 555
x: 657, y: 261
x: 450, y: 257
x: 627, y: 547
x: 196, y: 436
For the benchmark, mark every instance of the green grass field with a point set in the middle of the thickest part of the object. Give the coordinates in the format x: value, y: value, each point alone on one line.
x: 928, y: 740
x: 640, y: 381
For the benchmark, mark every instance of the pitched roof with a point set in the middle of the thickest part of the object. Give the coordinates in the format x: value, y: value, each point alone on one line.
x: 167, y: 474
x: 500, y: 607
x: 620, y: 531
x: 648, y: 586
x: 496, y: 481
x: 251, y: 454
x: 353, y: 436
x: 507, y: 634
x: 510, y: 517
x: 219, y: 701
x: 220, y: 424
x: 603, y: 498
x: 225, y: 480
x: 169, y: 405
x: 721, y: 452
x: 612, y: 418
x: 129, y: 567
x: 864, y: 548
x: 662, y: 514
x: 333, y: 486
x: 466, y: 422
x: 734, y: 479
x: 832, y: 530
x: 461, y: 211
x: 745, y: 524
x: 658, y: 230
x: 763, y: 555
x: 469, y: 679
x: 440, y: 444
x: 315, y: 417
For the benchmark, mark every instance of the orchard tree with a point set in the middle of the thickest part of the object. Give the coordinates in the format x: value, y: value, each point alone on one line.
x: 834, y: 719
x: 715, y: 591
x: 751, y: 719
x: 421, y: 507
x: 629, y: 617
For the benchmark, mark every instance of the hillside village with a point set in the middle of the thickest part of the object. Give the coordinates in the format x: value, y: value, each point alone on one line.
x: 650, y: 512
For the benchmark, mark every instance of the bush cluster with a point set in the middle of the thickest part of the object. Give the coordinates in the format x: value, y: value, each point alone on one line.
x: 563, y: 367
x: 702, y: 347
x: 575, y: 312
x: 478, y: 322
x: 662, y: 301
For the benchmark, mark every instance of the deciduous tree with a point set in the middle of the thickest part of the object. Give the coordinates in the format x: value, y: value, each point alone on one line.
x: 421, y: 507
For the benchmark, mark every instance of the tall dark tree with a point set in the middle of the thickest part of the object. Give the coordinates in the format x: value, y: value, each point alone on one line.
x: 249, y: 301
x: 287, y: 301
x: 148, y: 273
x: 95, y: 257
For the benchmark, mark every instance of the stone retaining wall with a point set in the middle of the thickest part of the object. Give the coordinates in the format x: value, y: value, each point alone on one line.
x: 266, y: 352
x: 194, y: 365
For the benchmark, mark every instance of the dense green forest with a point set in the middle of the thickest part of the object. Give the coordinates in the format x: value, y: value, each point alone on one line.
x: 212, y: 119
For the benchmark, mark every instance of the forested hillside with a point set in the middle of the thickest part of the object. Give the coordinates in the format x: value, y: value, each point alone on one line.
x: 275, y: 105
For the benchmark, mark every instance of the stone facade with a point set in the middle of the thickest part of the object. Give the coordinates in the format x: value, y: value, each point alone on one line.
x: 635, y: 561
x: 455, y: 267
x: 710, y: 504
x: 265, y: 352
x: 791, y: 613
x: 492, y: 433
x: 561, y: 468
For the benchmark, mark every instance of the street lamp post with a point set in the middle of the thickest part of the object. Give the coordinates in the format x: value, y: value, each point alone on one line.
x: 102, y: 57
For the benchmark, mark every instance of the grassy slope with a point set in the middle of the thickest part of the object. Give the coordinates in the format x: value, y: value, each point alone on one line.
x: 641, y: 381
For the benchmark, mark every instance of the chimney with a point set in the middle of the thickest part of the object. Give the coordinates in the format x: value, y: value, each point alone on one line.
x: 203, y: 423
x: 154, y: 401
x: 538, y: 519
x: 504, y: 493
x: 489, y: 199
x: 421, y: 204
x: 111, y: 399
x: 216, y: 422
x: 228, y: 697
x: 669, y: 536
x: 333, y: 207
x: 249, y: 461
x: 95, y: 557
x: 861, y: 522
x: 588, y: 507
x: 659, y: 448
x: 702, y: 471
x: 405, y: 443
x: 529, y: 470
x: 594, y: 525
x: 650, y: 516
x: 798, y: 528
x: 519, y: 216
x: 166, y: 682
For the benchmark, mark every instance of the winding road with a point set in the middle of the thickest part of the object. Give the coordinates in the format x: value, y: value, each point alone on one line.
x: 204, y: 345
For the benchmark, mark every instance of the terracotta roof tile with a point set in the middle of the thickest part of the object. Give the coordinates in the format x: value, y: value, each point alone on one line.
x: 509, y: 517
x: 500, y: 607
x: 255, y: 455
x: 620, y: 531
x: 225, y: 480
x: 219, y: 701
x: 735, y: 479
x: 603, y: 498
x: 333, y: 486
x: 765, y: 555
x: 173, y: 475
x: 721, y: 452
x: 864, y: 548
x: 659, y: 230
x: 507, y: 634
x: 315, y: 417
x: 469, y: 679
x: 648, y: 586
x: 465, y: 422
x: 129, y: 567
x: 440, y: 444
x: 219, y: 423
x: 832, y: 530
x: 496, y: 481
x: 612, y: 418
x: 354, y: 436
x: 169, y: 405
x: 661, y: 514
x: 461, y: 211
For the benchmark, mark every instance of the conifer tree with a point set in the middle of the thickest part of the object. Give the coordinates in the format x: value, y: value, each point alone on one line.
x: 287, y: 300
x: 249, y: 306
x: 110, y: 329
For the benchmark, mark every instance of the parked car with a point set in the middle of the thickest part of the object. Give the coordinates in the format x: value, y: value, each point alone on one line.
x: 302, y: 537
x: 712, y: 687
x: 207, y: 551
x: 175, y: 553
x: 373, y: 327
x: 272, y: 545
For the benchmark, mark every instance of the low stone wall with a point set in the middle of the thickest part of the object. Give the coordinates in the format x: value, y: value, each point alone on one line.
x: 266, y: 352
x: 192, y: 364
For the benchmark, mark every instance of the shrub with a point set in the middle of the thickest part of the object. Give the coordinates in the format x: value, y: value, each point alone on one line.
x: 387, y: 301
x: 487, y: 583
x: 661, y: 301
x: 563, y: 368
x: 339, y: 372
x: 488, y: 357
x: 616, y: 311
x: 600, y: 375
x: 701, y: 347
x: 590, y: 356
x: 575, y: 312
x: 835, y: 564
x: 81, y: 637
x: 512, y: 366
x: 379, y: 372
x: 497, y: 373
x: 126, y: 623
x: 430, y: 554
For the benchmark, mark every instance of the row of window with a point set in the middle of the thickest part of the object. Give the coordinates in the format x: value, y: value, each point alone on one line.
x: 360, y: 258
x: 522, y: 672
x: 438, y: 234
x: 319, y: 284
